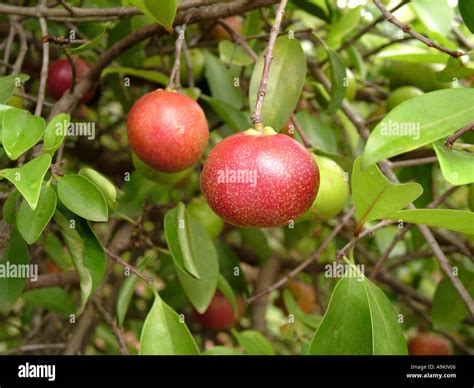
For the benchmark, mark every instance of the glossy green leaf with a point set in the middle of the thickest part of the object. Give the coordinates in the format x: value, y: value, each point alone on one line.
x: 52, y: 299
x: 222, y: 351
x: 436, y: 15
x: 311, y: 321
x: 338, y: 80
x: 128, y: 287
x: 88, y: 45
x: 360, y: 320
x: 234, y: 118
x: 316, y: 8
x: 28, y: 178
x: 457, y: 166
x: 149, y: 75
x: 221, y: 82
x: 11, y: 285
x: 55, y: 132
x: 375, y: 197
x: 234, y: 54
x: 344, y: 26
x: 164, y: 11
x: 82, y: 197
x: 254, y: 343
x: 57, y: 252
x: 285, y: 82
x: 8, y: 84
x: 75, y: 245
x: 456, y: 220
x: 229, y: 267
x: 319, y: 132
x: 199, y: 256
x: 31, y: 223
x: 404, y: 53
x: 164, y: 333
x: 106, y: 187
x: 455, y: 69
x: 466, y: 8
x: 20, y: 131
x: 9, y: 207
x: 224, y: 287
x: 448, y: 309
x: 419, y: 121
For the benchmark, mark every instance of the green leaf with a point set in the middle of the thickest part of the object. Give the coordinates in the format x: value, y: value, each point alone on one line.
x: 222, y: 351
x: 448, y: 309
x: 16, y: 255
x: 466, y: 8
x: 234, y: 118
x: 52, y: 299
x: 316, y: 8
x: 404, y: 53
x: 164, y: 333
x: 106, y: 187
x: 81, y: 196
x: 375, y: 196
x: 9, y: 207
x: 254, y: 343
x: 221, y: 82
x: 344, y: 26
x: 164, y: 11
x: 200, y: 256
x: 257, y: 241
x: 56, y: 252
x: 233, y: 54
x: 31, y: 223
x: 338, y: 80
x: 457, y: 166
x: 456, y: 220
x: 419, y: 121
x: 88, y: 45
x: 55, y: 132
x: 359, y: 321
x: 285, y: 82
x: 318, y: 131
x: 311, y: 321
x: 27, y: 178
x: 149, y: 75
x: 128, y: 286
x: 224, y: 286
x: 436, y: 15
x: 455, y: 69
x: 8, y: 84
x: 20, y: 131
x: 76, y: 248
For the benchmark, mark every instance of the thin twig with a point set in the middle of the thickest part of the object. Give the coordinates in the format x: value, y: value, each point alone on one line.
x: 452, y: 139
x: 122, y: 262
x: 44, y: 64
x: 175, y: 78
x: 33, y: 348
x: 413, y: 162
x: 294, y: 121
x: 239, y: 39
x: 72, y: 63
x: 256, y: 116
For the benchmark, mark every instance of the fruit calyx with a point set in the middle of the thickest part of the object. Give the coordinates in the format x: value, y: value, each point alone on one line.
x: 267, y: 131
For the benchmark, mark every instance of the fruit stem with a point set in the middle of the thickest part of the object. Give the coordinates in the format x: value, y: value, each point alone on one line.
x: 256, y: 116
x: 259, y: 127
x: 174, y: 81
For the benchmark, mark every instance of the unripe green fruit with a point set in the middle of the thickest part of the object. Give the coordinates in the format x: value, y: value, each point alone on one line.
x: 421, y: 75
x: 471, y: 198
x: 197, y: 62
x: 333, y: 191
x: 169, y: 179
x: 201, y: 211
x: 402, y: 94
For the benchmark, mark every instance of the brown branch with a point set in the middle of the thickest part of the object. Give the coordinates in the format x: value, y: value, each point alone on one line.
x: 294, y: 121
x: 413, y: 162
x: 239, y: 39
x: 449, y: 142
x: 60, y: 279
x: 174, y: 81
x: 256, y: 116
x: 23, y: 47
x: 407, y: 28
x: 123, y: 263
x: 44, y: 64
x: 33, y: 348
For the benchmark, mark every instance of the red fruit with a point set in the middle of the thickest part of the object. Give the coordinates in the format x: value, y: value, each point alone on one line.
x: 428, y: 344
x: 220, y: 33
x: 60, y: 78
x: 167, y: 130
x: 260, y: 180
x: 219, y: 314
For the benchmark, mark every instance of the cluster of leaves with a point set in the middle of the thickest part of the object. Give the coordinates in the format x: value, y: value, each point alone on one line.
x: 71, y: 215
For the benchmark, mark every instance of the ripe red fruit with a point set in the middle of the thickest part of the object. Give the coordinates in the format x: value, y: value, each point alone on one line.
x: 259, y: 180
x: 429, y: 344
x: 60, y: 78
x: 219, y: 314
x: 220, y: 33
x: 167, y: 130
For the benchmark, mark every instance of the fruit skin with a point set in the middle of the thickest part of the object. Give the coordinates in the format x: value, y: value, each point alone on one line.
x: 219, y: 314
x: 402, y: 94
x: 421, y: 75
x: 169, y: 179
x: 198, y: 62
x: 278, y: 179
x: 429, y: 344
x: 60, y: 78
x: 167, y: 130
x: 304, y: 295
x: 220, y: 33
x: 202, y: 212
x: 333, y: 191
